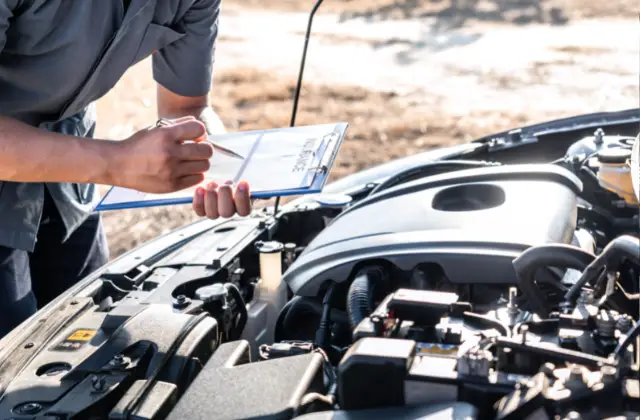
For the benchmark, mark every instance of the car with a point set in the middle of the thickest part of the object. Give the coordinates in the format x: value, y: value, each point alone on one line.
x: 495, y: 279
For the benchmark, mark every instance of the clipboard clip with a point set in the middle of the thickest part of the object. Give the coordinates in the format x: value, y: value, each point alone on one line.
x: 321, y: 169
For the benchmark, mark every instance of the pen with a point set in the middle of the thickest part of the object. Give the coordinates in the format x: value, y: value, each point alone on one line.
x: 163, y: 122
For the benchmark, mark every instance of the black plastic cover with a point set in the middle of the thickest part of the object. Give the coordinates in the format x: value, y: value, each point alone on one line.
x: 228, y: 387
x: 472, y: 223
x: 60, y: 376
x: 372, y: 373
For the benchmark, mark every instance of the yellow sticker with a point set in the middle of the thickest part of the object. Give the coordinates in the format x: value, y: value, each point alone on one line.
x: 82, y: 335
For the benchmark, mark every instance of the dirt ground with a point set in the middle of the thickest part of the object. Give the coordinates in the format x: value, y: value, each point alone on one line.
x: 463, y: 11
x: 382, y: 127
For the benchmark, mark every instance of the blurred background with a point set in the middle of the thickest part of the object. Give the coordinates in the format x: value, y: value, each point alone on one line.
x: 408, y: 75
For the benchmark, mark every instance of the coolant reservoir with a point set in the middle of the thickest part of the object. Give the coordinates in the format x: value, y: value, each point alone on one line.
x: 269, y: 297
x: 615, y: 173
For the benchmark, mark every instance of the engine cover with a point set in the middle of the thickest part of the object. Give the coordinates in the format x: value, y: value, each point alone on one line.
x: 472, y: 223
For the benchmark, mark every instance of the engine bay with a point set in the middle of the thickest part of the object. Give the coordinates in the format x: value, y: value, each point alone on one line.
x: 500, y: 283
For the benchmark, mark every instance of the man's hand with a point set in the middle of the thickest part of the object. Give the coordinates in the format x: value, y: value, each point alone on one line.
x: 157, y: 160
x: 215, y: 201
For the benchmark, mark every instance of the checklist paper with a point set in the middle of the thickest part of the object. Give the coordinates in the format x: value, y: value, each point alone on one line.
x: 287, y: 161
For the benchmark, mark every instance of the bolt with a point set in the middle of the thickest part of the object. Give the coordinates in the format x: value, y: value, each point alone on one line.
x: 524, y: 330
x: 181, y: 301
x: 98, y: 382
x: 598, y: 136
x: 28, y: 408
x: 118, y: 360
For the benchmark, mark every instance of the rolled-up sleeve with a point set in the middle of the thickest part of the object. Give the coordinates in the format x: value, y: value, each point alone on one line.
x: 185, y: 67
x: 6, y: 12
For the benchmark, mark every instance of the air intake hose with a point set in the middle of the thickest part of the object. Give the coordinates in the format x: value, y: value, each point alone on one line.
x: 621, y: 248
x: 360, y: 298
x: 534, y: 258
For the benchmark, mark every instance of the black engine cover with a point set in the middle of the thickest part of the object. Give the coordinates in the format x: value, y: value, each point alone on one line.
x: 472, y: 223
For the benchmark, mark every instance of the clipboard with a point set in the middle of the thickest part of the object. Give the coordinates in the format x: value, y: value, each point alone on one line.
x: 326, y: 139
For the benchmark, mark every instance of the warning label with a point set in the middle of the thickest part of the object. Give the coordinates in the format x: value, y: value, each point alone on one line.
x: 82, y: 335
x: 76, y: 340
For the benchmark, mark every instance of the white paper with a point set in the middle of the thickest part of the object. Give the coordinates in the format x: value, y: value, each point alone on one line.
x: 282, y: 160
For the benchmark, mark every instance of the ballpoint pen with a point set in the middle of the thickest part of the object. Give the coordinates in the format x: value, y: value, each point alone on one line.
x: 163, y: 122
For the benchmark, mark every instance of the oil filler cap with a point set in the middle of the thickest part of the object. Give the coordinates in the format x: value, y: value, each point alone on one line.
x: 614, y: 155
x: 333, y: 200
x: 212, y: 293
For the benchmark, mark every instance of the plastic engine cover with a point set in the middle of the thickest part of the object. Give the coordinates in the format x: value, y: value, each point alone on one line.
x: 472, y: 223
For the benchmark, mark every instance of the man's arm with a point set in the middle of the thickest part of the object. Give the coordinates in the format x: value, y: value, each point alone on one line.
x: 183, y: 69
x: 28, y: 154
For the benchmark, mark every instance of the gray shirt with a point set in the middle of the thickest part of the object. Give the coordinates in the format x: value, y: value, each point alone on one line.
x: 59, y: 56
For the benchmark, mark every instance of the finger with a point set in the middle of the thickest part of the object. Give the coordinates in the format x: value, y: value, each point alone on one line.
x: 211, y: 201
x: 188, y: 181
x: 183, y: 119
x: 192, y: 167
x: 198, y: 202
x: 187, y: 130
x: 226, y: 207
x: 194, y: 151
x: 242, y: 199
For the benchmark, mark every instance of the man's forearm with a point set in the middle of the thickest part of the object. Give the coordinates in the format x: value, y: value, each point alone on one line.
x: 28, y: 154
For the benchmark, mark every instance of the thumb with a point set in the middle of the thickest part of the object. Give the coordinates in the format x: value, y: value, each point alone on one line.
x: 189, y: 130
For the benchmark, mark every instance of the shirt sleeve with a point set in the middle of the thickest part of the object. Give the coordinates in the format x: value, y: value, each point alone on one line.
x: 6, y: 13
x: 185, y: 67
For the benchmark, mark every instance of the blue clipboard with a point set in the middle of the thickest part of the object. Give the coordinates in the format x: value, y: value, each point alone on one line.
x: 332, y: 138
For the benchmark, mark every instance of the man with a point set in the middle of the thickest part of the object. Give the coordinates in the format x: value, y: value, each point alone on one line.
x: 56, y: 58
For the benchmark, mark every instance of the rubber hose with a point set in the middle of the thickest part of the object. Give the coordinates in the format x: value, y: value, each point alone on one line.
x: 430, y: 169
x: 301, y: 304
x: 360, y: 295
x: 279, y: 327
x: 625, y: 246
x: 534, y: 258
x: 323, y: 334
x: 242, y: 307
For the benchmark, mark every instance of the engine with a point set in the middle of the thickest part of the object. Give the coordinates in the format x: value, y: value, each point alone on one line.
x: 480, y: 291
